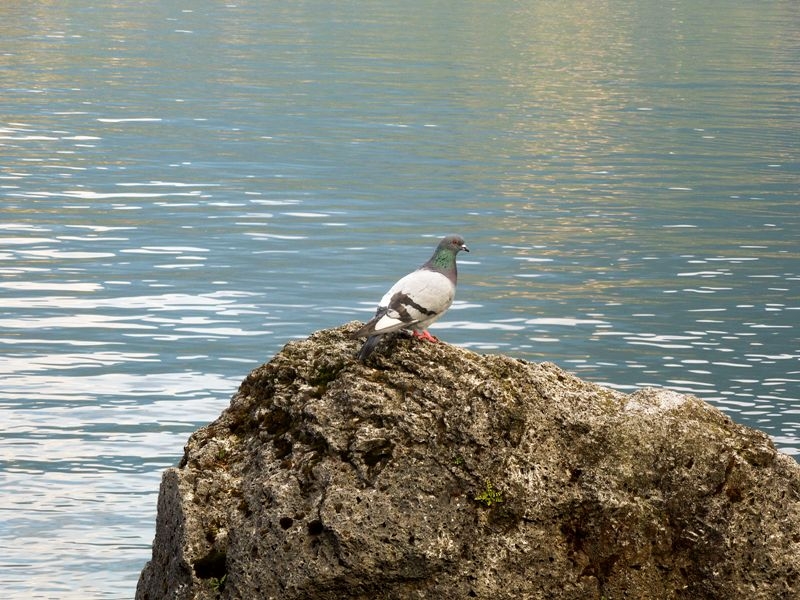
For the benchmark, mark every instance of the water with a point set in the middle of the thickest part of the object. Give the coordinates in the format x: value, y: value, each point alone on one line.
x: 185, y: 187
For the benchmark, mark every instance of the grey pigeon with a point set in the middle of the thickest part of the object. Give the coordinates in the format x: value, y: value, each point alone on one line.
x: 418, y: 299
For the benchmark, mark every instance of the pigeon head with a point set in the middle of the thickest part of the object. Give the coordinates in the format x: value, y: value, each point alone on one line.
x: 444, y: 257
x: 453, y: 243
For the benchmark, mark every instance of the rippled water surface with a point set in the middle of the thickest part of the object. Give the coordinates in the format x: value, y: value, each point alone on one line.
x: 186, y: 186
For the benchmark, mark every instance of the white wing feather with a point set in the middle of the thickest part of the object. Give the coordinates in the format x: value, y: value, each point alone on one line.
x: 416, y: 301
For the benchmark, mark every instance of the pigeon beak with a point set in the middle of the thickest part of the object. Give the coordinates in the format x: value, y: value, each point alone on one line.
x: 464, y: 248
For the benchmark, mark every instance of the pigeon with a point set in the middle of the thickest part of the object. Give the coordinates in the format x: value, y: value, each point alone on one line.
x: 418, y: 299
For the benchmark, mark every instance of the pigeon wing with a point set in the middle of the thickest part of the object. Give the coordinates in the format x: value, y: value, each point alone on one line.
x: 419, y: 297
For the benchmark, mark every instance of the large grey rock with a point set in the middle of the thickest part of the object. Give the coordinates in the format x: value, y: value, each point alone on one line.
x: 433, y: 472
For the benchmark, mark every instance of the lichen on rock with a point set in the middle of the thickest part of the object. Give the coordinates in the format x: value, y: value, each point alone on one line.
x: 329, y: 479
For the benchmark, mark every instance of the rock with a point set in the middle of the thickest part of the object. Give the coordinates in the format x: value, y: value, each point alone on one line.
x: 433, y: 472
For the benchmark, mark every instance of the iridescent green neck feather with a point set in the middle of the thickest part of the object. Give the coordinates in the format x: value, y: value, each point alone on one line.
x: 443, y: 259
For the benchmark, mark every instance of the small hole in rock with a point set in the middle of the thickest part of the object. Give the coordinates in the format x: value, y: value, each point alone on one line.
x: 315, y: 527
x: 211, y: 565
x: 286, y: 522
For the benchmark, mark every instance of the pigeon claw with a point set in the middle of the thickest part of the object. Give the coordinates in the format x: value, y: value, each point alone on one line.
x: 425, y: 335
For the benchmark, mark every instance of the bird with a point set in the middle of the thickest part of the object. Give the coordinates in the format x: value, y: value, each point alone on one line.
x: 416, y: 300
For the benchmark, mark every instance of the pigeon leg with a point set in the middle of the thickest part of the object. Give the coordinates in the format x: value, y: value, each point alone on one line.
x: 425, y: 335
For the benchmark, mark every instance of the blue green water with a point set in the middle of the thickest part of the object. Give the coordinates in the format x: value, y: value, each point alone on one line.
x: 186, y: 186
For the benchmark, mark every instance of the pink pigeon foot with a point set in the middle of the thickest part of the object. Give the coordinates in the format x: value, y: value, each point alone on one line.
x: 425, y: 335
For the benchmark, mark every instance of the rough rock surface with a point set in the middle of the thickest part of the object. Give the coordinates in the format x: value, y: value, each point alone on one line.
x: 434, y: 472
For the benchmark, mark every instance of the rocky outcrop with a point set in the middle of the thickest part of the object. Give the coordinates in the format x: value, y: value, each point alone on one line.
x: 434, y: 472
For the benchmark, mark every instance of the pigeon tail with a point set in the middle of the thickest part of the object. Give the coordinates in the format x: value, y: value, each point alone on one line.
x: 368, y: 347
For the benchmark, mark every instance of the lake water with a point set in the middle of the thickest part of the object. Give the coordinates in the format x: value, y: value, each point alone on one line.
x: 186, y: 186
